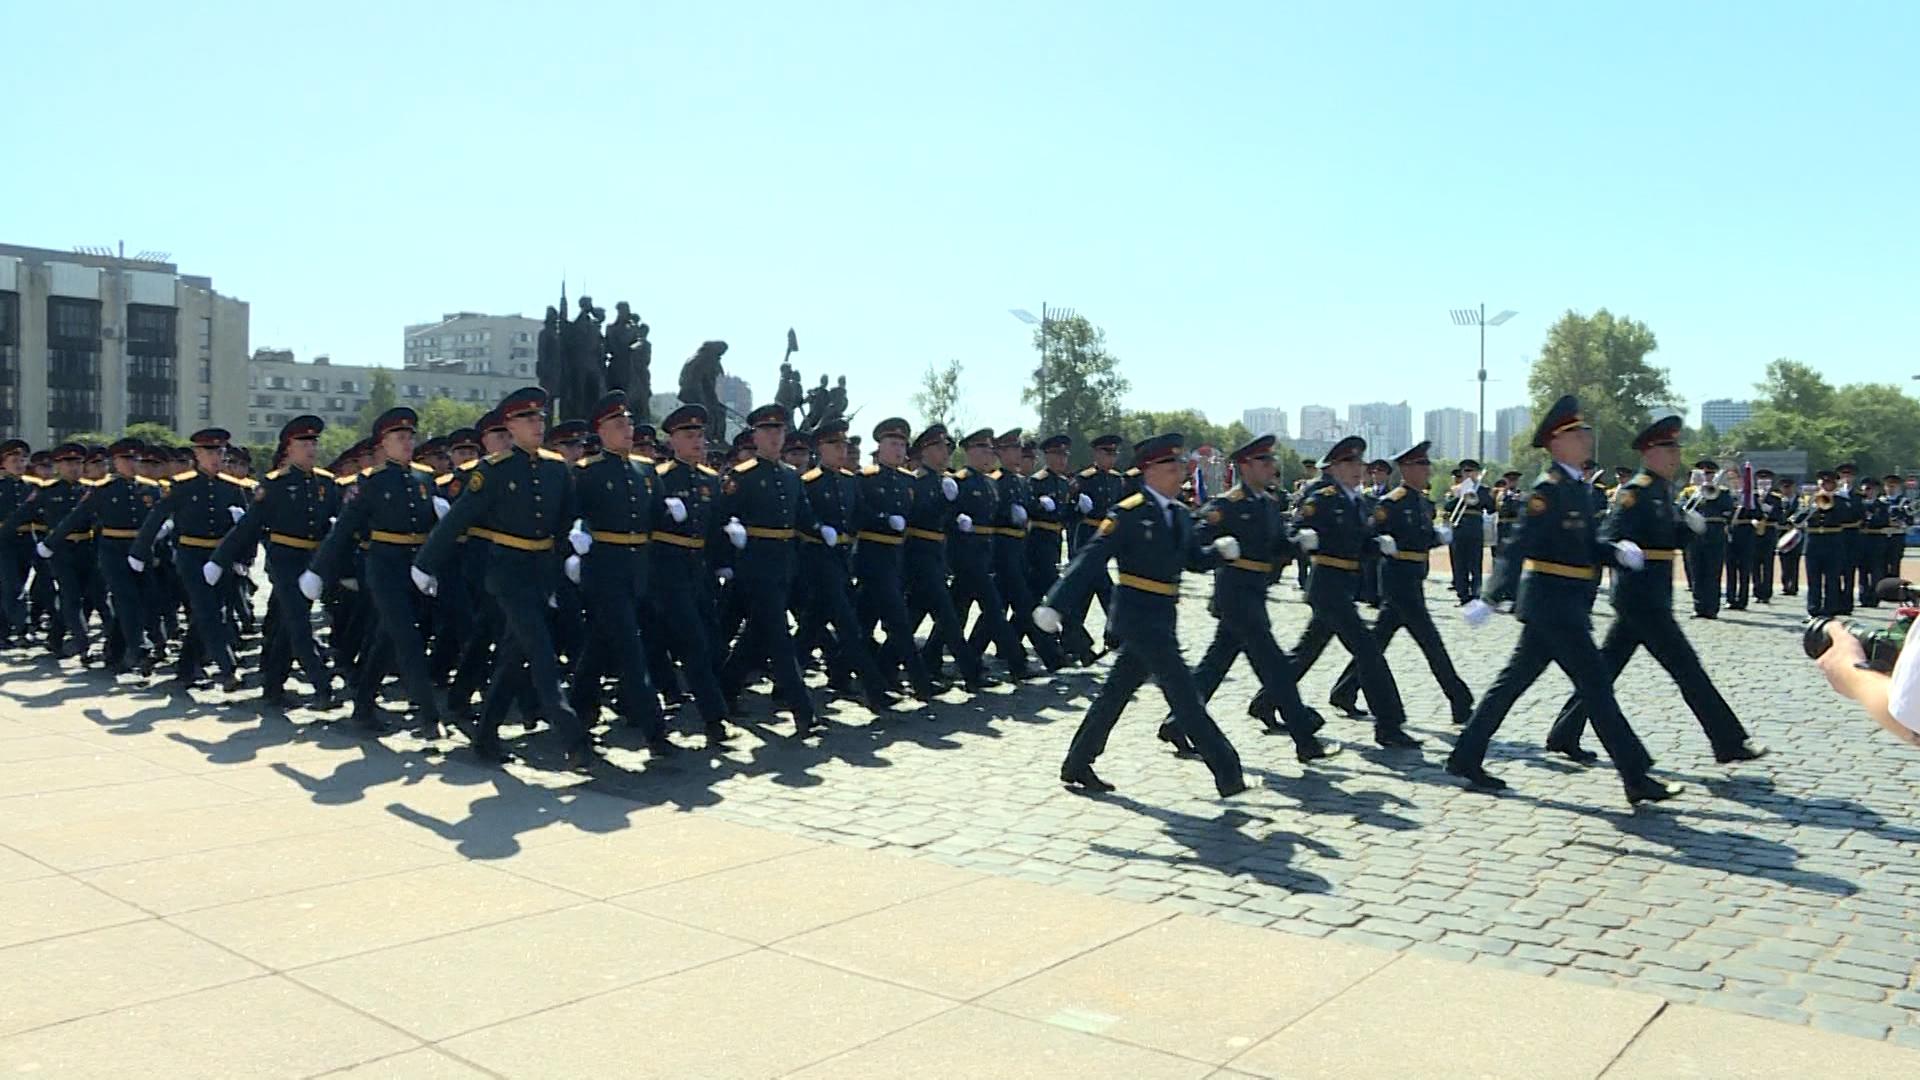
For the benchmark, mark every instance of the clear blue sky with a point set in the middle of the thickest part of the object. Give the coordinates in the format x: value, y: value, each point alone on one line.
x: 1262, y: 203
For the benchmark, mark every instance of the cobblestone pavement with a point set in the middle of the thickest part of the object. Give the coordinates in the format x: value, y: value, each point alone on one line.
x: 1786, y: 888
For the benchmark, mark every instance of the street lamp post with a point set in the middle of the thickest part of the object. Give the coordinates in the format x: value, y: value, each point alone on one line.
x: 1478, y: 317
x: 1048, y: 316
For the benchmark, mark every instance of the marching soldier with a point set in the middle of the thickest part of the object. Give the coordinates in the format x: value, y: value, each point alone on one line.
x: 970, y: 548
x: 1464, y: 506
x: 685, y: 530
x: 1744, y: 528
x: 47, y: 504
x: 1792, y: 507
x: 1766, y: 534
x: 110, y: 512
x: 1153, y: 539
x: 1013, y: 507
x: 1714, y: 506
x: 1899, y: 516
x: 16, y: 548
x: 1404, y: 518
x: 930, y: 520
x: 203, y: 505
x: 1054, y: 508
x: 1370, y: 495
x: 1508, y: 501
x: 1643, y: 606
x: 832, y: 494
x: 1558, y: 547
x: 1094, y: 491
x: 885, y: 504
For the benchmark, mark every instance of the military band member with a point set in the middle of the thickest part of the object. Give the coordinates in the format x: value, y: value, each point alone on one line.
x: 1766, y: 537
x: 1792, y: 506
x: 1463, y: 511
x: 1824, y: 516
x: 1871, y: 547
x: 1708, y: 548
x: 1848, y: 495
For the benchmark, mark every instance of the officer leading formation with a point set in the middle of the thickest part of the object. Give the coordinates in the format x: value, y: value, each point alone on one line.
x: 535, y: 573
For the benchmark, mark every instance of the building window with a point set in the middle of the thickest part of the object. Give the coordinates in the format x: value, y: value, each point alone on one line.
x: 413, y: 390
x: 9, y: 361
x: 264, y: 401
x: 347, y: 387
x: 151, y: 349
x: 73, y: 365
x: 309, y: 384
x: 205, y: 335
x: 336, y: 404
x: 206, y: 407
x: 276, y: 382
x: 206, y: 372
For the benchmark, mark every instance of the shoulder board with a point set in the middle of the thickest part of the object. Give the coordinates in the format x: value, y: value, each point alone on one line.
x: 323, y: 474
x: 994, y: 475
x: 870, y: 470
x: 1089, y: 471
x: 419, y: 467
x: 588, y: 460
x: 748, y: 465
x: 635, y: 455
x: 1130, y: 501
x: 368, y: 471
x: 1236, y: 494
x: 184, y: 477
x: 500, y: 456
x: 1131, y: 472
x: 345, y: 480
x: 1551, y: 476
x: 550, y: 455
x: 1328, y: 490
x: 100, y: 482
x: 848, y: 472
x: 34, y: 480
x: 1397, y: 493
x: 277, y: 474
x: 467, y: 466
x: 1041, y: 475
x: 664, y: 467
x: 1642, y: 480
x: 443, y: 479
x: 960, y: 473
x: 811, y: 474
x: 147, y: 480
x: 705, y: 469
x: 240, y: 481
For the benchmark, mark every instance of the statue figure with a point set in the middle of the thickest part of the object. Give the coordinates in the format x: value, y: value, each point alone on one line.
x: 640, y: 391
x: 816, y: 405
x: 549, y: 360
x: 621, y: 337
x: 584, y: 376
x: 837, y: 400
x: 700, y: 382
x: 789, y: 394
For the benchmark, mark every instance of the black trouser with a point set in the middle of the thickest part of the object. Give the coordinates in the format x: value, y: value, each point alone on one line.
x: 1763, y: 545
x: 1334, y: 617
x: 1149, y: 650
x: 525, y: 663
x: 613, y: 578
x: 1826, y: 586
x: 973, y: 583
x: 1740, y: 548
x: 1790, y: 568
x: 1655, y: 628
x: 1849, y: 567
x: 210, y: 637
x: 1871, y: 565
x: 925, y: 567
x: 830, y: 608
x: 1709, y: 554
x: 682, y: 594
x: 123, y: 594
x: 1465, y: 551
x: 1245, y: 627
x: 72, y: 573
x: 1043, y: 559
x: 1408, y: 609
x: 290, y: 623
x: 396, y: 604
x: 16, y: 553
x: 762, y: 584
x: 882, y: 599
x: 1010, y: 576
x: 1566, y: 641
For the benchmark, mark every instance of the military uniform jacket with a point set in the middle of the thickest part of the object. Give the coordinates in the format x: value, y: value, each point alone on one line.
x: 930, y: 514
x: 1257, y: 521
x: 1343, y: 531
x: 393, y: 506
x: 46, y: 502
x: 1644, y: 513
x: 1751, y: 520
x: 1054, y: 486
x: 1150, y: 553
x: 1559, y: 550
x: 1773, y: 508
x: 1718, y: 510
x: 834, y: 502
x: 1407, y: 516
x: 201, y: 508
x: 1506, y: 512
x: 1824, y: 523
x: 885, y: 491
x: 112, y: 508
x: 697, y: 539
x: 1014, y: 491
x: 1100, y: 486
x: 294, y: 508
x: 766, y: 496
x: 1481, y: 501
x: 617, y: 497
x: 1873, y: 516
x: 520, y: 502
x: 979, y: 500
x: 14, y: 491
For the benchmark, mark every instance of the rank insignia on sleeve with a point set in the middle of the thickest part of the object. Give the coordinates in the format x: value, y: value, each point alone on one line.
x: 473, y: 484
x: 1537, y: 504
x: 1380, y: 514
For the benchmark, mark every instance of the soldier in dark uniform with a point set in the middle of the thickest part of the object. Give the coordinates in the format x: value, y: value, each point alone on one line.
x: 16, y: 550
x: 1870, y: 559
x: 1848, y: 496
x: 1508, y: 500
x: 1334, y: 530
x: 970, y: 549
x: 292, y: 507
x: 393, y: 511
x: 1744, y: 522
x: 887, y: 492
x: 49, y: 502
x: 616, y: 492
x: 1094, y: 490
x: 1643, y: 605
x: 109, y: 514
x: 1558, y: 547
x: 520, y: 500
x: 929, y: 522
x: 1469, y: 530
x: 1714, y: 505
x: 1893, y: 546
x: 1766, y: 535
x: 1013, y: 508
x: 203, y: 504
x: 825, y: 558
x: 1371, y: 493
x: 1823, y: 517
x: 1251, y: 515
x: 1405, y: 517
x: 1793, y: 507
x: 764, y: 509
x: 1153, y: 539
x: 1053, y: 510
x: 685, y: 530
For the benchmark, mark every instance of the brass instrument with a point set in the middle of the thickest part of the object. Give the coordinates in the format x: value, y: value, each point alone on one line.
x: 1823, y: 501
x: 1461, y: 493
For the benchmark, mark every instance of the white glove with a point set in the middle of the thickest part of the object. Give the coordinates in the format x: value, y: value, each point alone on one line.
x: 950, y: 488
x: 1476, y: 612
x: 350, y: 584
x: 137, y: 565
x: 440, y: 507
x: 1307, y: 539
x: 963, y: 523
x: 736, y: 534
x: 423, y: 581
x: 246, y: 569
x: 43, y: 550
x: 1047, y: 619
x: 1047, y: 504
x: 165, y: 528
x: 1019, y: 515
x: 676, y: 508
x: 1628, y: 554
x: 1228, y: 548
x: 829, y: 535
x: 582, y: 543
x: 211, y: 571
x: 1086, y: 504
x: 310, y: 584
x: 237, y: 513
x: 553, y: 601
x: 1444, y: 532
x: 1696, y: 521
x: 1387, y: 546
x: 725, y: 574
x: 896, y: 523
x: 572, y: 568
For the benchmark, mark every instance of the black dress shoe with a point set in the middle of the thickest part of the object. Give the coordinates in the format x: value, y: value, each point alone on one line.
x: 1351, y: 710
x: 982, y: 681
x: 1394, y: 738
x: 368, y: 722
x: 1315, y: 750
x: 880, y: 702
x: 1477, y: 778
x: 1647, y: 789
x: 1171, y: 736
x: 1233, y: 787
x: 232, y: 683
x: 579, y: 758
x: 716, y: 732
x: 1746, y: 751
x: 1462, y: 712
x: 661, y: 746
x: 1083, y: 778
x: 806, y: 729
x: 1573, y: 752
x: 429, y: 731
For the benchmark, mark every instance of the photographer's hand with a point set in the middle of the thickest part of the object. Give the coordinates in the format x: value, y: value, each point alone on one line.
x: 1872, y: 689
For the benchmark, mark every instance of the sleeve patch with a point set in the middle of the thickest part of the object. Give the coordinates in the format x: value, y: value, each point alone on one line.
x: 1537, y: 504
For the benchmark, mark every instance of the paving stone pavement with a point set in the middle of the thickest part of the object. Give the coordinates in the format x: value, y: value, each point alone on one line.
x: 1787, y: 888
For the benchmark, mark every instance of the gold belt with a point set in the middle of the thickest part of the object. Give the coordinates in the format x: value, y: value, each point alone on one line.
x: 809, y: 538
x: 1152, y: 585
x: 1336, y: 562
x: 1582, y: 573
x: 1002, y: 530
x: 75, y: 538
x: 1659, y: 554
x: 759, y: 533
x: 208, y: 542
x: 406, y: 539
x: 1050, y: 526
x: 1715, y: 520
x: 1851, y: 525
x: 694, y: 543
x: 300, y: 542
x: 119, y: 534
x: 1824, y: 532
x: 1411, y: 556
x: 1090, y: 522
x: 882, y: 538
x: 520, y: 543
x: 927, y: 534
x: 627, y: 539
x: 1254, y: 565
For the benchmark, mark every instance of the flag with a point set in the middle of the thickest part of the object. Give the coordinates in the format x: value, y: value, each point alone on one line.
x: 1199, y: 483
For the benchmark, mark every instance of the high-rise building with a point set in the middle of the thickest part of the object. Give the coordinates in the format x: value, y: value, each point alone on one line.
x: 1266, y: 420
x: 1508, y: 424
x: 1390, y: 425
x: 1317, y: 422
x: 1452, y: 433
x: 1723, y: 414
x: 476, y: 344
x: 96, y: 341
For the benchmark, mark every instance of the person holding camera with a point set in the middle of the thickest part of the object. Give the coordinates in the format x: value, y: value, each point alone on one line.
x: 1892, y: 698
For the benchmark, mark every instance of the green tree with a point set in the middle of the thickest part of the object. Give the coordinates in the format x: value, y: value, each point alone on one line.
x: 1602, y: 360
x: 1884, y: 425
x: 155, y: 434
x: 1077, y: 386
x: 938, y: 398
x: 1192, y: 423
x: 442, y: 415
x: 335, y: 440
x: 380, y: 397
